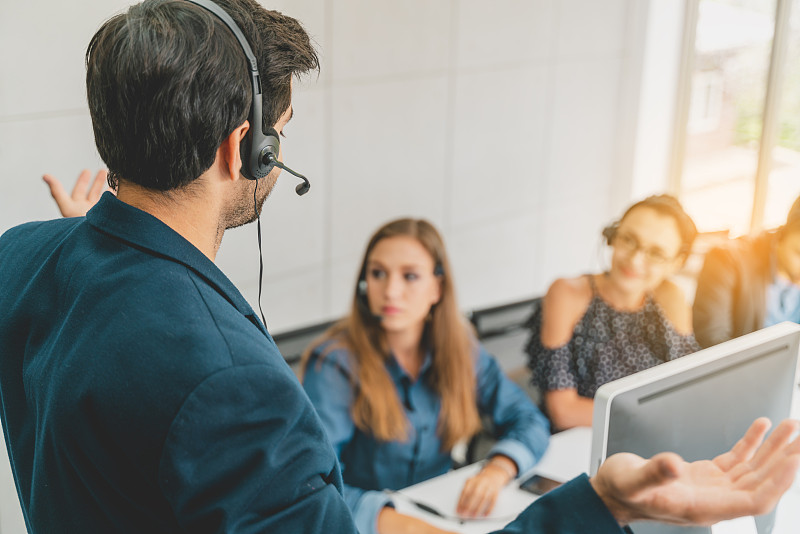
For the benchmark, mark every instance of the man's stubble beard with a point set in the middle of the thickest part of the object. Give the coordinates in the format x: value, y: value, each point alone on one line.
x: 241, y: 210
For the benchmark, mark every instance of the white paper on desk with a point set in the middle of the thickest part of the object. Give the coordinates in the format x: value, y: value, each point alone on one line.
x: 742, y: 525
x: 442, y: 493
x: 567, y: 456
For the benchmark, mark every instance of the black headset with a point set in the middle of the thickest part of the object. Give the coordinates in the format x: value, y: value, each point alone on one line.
x: 610, y: 232
x: 259, y: 150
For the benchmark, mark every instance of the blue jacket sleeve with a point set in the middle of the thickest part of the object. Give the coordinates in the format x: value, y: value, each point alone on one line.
x: 328, y: 384
x: 522, y: 430
x: 573, y: 508
x: 246, y: 454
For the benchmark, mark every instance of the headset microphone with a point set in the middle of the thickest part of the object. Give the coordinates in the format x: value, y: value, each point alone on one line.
x: 301, y: 189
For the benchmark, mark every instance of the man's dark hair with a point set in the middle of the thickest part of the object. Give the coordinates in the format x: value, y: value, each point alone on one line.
x: 167, y: 82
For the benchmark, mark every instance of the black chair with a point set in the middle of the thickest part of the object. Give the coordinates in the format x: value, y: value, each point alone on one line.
x: 293, y: 343
x: 503, y: 331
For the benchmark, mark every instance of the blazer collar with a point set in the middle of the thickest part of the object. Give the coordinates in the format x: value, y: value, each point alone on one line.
x: 141, y: 230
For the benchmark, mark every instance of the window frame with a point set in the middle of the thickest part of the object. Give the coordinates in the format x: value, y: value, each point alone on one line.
x: 772, y: 100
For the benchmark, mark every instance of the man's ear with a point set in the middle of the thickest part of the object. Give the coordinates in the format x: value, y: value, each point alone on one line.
x: 228, y: 154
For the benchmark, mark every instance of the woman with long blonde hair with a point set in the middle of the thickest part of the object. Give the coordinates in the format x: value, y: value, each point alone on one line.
x: 402, y: 379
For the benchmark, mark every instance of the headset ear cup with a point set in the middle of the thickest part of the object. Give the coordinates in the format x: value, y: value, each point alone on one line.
x: 269, y: 150
x: 264, y: 151
x: 259, y: 150
x: 361, y: 297
x: 244, y: 151
x: 609, y: 232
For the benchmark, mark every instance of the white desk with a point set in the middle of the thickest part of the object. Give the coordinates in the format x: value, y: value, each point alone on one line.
x: 567, y: 457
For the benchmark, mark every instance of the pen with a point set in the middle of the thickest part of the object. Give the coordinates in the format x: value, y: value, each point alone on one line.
x: 429, y: 509
x: 424, y: 507
x: 447, y: 517
x: 433, y: 511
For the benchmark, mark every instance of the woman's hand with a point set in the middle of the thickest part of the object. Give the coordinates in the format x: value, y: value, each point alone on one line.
x: 747, y: 480
x: 480, y: 492
x: 82, y: 198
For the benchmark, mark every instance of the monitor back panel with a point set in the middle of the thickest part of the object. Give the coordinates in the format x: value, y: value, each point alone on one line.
x: 701, y: 411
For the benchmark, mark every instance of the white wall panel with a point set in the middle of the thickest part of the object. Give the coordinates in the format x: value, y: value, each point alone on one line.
x: 43, y: 45
x: 11, y: 519
x: 377, y: 38
x: 504, y: 32
x: 584, y: 128
x: 591, y: 29
x: 499, y: 143
x: 344, y: 274
x: 388, y: 158
x: 571, y: 233
x: 497, y: 261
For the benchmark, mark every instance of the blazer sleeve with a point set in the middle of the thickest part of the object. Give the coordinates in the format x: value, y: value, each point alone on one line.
x: 327, y: 383
x: 714, y: 301
x: 573, y: 508
x: 247, y: 454
x: 523, y: 432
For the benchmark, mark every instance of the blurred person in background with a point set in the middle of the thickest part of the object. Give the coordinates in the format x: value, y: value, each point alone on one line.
x: 750, y: 283
x: 596, y: 328
x: 402, y: 379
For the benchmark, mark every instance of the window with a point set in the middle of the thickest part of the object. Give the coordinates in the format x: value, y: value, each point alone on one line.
x: 736, y: 159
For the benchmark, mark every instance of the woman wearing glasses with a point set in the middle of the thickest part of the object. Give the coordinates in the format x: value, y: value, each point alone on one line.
x: 600, y: 327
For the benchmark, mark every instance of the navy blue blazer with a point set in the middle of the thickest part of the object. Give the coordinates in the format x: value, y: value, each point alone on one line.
x: 140, y: 393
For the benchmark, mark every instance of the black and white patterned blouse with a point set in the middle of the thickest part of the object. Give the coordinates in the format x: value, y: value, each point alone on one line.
x: 606, y: 344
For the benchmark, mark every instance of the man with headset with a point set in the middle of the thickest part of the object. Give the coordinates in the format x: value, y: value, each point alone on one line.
x: 141, y: 393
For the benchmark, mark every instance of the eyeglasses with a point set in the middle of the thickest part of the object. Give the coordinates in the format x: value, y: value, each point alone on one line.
x: 630, y: 245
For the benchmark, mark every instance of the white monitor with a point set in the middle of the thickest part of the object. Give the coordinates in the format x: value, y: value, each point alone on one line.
x: 698, y: 406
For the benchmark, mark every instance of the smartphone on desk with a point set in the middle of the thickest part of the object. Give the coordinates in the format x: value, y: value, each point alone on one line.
x: 539, y: 485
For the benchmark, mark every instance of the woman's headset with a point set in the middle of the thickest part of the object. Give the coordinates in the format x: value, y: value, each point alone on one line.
x: 610, y: 232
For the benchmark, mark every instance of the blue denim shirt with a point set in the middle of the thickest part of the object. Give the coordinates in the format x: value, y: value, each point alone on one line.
x: 370, y: 465
x: 783, y: 302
